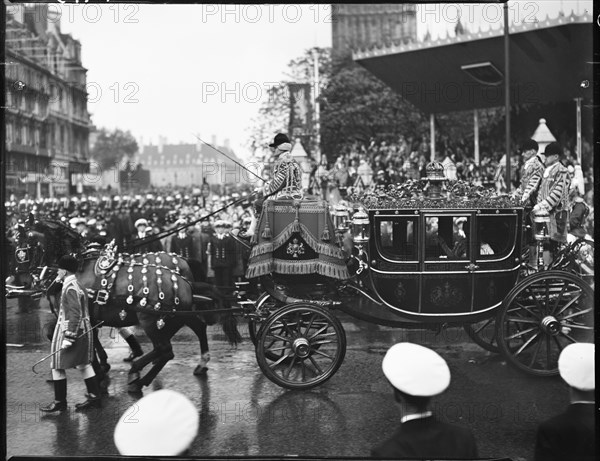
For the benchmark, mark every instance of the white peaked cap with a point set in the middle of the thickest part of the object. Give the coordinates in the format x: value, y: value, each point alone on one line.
x: 576, y: 366
x: 416, y: 370
x: 163, y: 423
x: 141, y: 221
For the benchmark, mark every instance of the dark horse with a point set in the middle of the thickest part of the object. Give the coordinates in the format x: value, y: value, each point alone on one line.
x: 155, y: 291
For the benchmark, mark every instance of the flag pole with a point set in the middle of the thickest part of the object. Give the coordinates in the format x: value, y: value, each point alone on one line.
x: 507, y: 96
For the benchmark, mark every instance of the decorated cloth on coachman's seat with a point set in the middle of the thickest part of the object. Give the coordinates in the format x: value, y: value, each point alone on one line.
x: 296, y: 237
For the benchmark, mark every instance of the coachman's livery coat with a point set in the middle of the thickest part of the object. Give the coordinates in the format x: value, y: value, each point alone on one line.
x: 73, y: 321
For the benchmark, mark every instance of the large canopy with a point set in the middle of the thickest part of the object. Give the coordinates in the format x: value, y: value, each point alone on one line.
x: 549, y: 62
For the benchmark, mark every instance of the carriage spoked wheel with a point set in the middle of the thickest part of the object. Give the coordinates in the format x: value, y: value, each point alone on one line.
x: 300, y: 346
x: 484, y: 334
x: 268, y: 303
x: 541, y: 316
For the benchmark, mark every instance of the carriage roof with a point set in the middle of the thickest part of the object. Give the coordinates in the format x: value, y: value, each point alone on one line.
x: 386, y: 202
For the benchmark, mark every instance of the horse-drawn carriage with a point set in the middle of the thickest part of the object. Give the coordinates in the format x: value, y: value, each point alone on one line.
x: 421, y: 261
x: 403, y: 259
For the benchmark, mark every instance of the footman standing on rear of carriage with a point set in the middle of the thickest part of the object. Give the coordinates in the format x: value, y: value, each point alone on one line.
x: 553, y: 197
x: 72, y: 342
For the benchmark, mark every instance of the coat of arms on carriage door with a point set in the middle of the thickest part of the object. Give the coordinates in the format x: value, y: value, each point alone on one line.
x: 400, y: 292
x: 446, y: 294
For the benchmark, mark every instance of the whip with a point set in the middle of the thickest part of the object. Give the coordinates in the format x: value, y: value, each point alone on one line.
x: 60, y: 350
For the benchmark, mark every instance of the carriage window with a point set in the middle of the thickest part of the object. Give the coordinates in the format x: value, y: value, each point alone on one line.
x: 495, y: 236
x: 447, y: 237
x: 397, y: 238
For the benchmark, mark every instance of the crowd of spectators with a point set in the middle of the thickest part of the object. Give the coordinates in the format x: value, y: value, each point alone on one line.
x: 406, y: 158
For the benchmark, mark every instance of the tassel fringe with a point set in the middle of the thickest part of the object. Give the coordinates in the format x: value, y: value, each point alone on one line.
x: 279, y: 266
x: 267, y: 234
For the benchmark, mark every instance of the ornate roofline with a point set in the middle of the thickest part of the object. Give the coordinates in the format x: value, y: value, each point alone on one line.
x: 472, y: 36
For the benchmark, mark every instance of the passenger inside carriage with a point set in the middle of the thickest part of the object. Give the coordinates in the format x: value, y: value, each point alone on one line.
x: 441, y: 243
x: 447, y: 237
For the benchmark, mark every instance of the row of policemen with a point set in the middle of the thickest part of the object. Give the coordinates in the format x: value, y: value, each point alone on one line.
x: 88, y: 205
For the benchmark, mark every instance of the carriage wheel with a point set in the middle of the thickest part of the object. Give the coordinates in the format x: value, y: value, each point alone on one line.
x: 484, y: 334
x: 266, y: 302
x: 541, y: 316
x: 310, y: 344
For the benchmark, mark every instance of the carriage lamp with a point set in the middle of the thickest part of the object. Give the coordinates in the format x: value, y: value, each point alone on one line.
x: 541, y: 234
x: 541, y: 224
x: 341, y: 217
x: 360, y: 227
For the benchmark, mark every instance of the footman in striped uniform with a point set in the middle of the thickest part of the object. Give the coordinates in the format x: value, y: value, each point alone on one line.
x: 553, y: 197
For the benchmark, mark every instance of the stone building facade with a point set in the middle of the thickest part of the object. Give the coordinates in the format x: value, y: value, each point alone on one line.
x: 47, y: 121
x: 360, y: 26
x: 185, y: 165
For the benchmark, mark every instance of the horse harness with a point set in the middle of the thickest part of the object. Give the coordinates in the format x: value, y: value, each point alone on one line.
x: 108, y: 266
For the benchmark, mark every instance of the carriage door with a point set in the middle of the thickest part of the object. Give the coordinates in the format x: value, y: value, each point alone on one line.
x: 447, y: 275
x: 497, y: 256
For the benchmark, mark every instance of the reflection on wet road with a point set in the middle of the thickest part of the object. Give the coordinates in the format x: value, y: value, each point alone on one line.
x: 242, y: 413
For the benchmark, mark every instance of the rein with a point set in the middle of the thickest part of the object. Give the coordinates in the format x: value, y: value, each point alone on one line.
x: 165, y: 233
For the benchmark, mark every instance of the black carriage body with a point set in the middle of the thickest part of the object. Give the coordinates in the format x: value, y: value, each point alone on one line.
x: 444, y: 265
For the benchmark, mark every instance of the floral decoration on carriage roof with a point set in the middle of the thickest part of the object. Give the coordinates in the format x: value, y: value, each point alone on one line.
x: 411, y: 195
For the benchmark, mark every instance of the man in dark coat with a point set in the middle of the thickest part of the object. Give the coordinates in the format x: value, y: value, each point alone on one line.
x: 183, y: 243
x: 416, y: 374
x: 206, y: 233
x: 72, y: 342
x: 143, y: 232
x: 223, y: 255
x: 121, y: 227
x: 571, y: 435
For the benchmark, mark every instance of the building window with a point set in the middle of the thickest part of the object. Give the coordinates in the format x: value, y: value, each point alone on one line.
x: 43, y: 134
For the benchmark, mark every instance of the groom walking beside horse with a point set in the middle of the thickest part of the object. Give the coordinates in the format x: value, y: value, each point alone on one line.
x: 72, y: 342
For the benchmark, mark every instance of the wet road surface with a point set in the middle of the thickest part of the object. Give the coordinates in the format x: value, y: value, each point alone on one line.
x: 242, y: 413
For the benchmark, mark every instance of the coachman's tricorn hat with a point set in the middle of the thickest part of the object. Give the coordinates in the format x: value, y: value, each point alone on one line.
x: 68, y: 263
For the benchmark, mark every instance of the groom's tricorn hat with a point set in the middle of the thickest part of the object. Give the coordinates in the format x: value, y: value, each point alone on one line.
x: 68, y: 263
x: 280, y: 138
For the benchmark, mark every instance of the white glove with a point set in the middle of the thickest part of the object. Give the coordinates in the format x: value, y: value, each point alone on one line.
x: 66, y: 343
